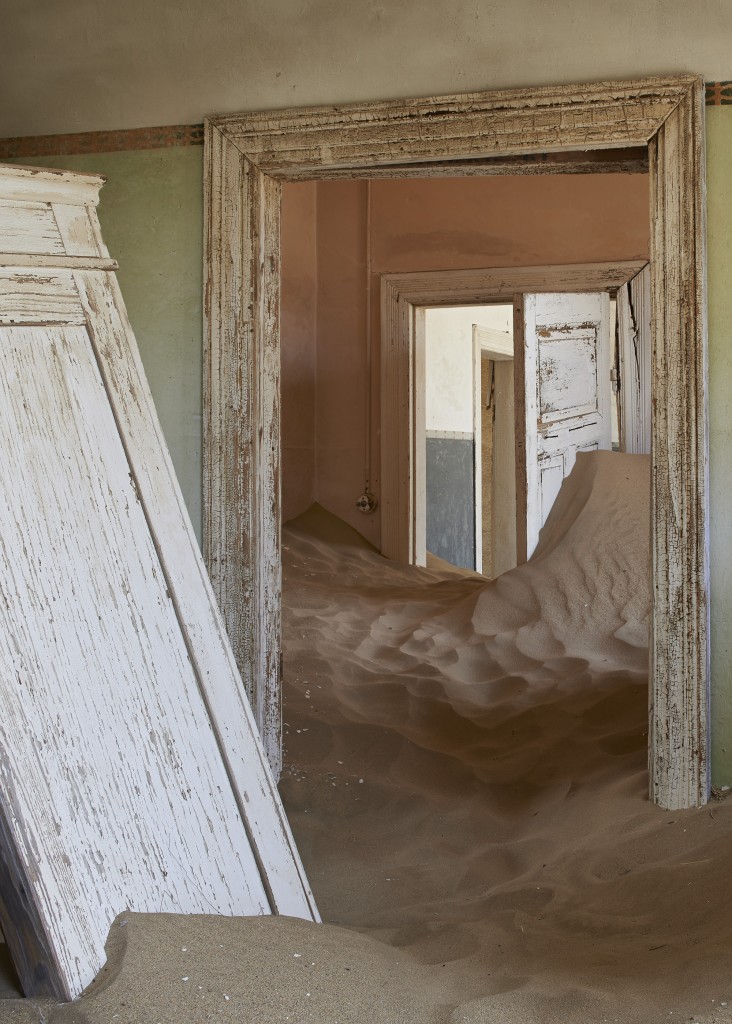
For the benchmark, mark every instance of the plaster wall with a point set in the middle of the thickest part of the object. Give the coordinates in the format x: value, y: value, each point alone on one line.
x: 449, y: 361
x: 442, y: 224
x: 449, y: 384
x: 92, y: 65
x: 298, y: 324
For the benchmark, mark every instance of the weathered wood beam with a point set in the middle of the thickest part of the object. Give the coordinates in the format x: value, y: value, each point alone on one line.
x: 628, y: 160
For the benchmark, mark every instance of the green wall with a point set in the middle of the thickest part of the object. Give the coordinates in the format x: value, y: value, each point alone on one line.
x: 719, y: 242
x: 151, y: 215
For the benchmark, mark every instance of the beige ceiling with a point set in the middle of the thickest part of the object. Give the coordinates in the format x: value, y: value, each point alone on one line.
x: 83, y: 65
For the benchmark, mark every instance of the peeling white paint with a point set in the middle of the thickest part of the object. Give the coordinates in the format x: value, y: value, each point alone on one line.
x: 131, y: 774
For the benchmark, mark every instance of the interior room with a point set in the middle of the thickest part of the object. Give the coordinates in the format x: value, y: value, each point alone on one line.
x: 339, y: 685
x: 340, y: 238
x: 398, y: 657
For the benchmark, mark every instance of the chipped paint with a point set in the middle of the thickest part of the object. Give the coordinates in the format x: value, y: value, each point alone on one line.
x: 115, y: 661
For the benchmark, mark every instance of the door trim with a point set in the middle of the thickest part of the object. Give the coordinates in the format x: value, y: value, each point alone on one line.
x: 247, y: 155
x: 402, y: 344
x: 477, y: 454
x: 634, y: 350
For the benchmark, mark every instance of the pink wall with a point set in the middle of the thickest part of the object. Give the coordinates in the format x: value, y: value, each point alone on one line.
x: 443, y: 224
x: 341, y: 382
x: 299, y: 311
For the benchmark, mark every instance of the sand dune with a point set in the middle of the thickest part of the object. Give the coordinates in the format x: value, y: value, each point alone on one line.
x: 466, y: 779
x: 502, y: 831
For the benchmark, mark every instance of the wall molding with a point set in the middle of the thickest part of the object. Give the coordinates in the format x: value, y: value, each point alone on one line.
x: 717, y: 94
x: 81, y: 143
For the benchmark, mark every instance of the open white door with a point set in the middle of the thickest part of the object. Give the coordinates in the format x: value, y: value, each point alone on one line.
x: 566, y: 393
x: 634, y: 347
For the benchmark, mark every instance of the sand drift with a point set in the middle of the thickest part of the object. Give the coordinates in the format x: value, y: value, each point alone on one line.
x: 466, y: 779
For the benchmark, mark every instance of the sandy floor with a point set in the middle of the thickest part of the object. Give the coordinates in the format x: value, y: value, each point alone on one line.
x: 502, y: 832
x: 466, y: 779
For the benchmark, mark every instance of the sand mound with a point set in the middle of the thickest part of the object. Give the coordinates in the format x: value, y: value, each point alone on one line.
x: 466, y: 771
x: 466, y: 779
x: 178, y: 969
x: 586, y: 589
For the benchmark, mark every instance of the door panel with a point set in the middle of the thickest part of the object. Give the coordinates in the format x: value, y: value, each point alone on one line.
x: 567, y: 374
x: 634, y: 344
x: 567, y: 361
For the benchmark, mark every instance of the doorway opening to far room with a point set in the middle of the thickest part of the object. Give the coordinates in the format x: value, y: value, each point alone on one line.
x: 248, y: 158
x: 465, y: 428
x: 579, y: 381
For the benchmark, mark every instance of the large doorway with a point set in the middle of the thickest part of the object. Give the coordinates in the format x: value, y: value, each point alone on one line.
x: 247, y: 156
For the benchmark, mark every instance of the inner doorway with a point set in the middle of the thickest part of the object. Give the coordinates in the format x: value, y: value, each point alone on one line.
x: 557, y: 352
x: 468, y: 438
x: 582, y: 386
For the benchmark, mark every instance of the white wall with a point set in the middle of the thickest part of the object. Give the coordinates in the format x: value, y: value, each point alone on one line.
x: 449, y: 371
x: 449, y: 380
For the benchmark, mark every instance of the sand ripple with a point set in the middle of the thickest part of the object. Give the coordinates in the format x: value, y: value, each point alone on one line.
x: 466, y: 779
x: 480, y: 803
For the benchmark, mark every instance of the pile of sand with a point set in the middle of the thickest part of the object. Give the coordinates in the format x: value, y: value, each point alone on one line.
x: 502, y: 832
x: 466, y: 779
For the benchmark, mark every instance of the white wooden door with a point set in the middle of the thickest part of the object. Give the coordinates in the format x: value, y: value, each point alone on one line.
x: 131, y: 773
x: 567, y: 362
x: 634, y: 348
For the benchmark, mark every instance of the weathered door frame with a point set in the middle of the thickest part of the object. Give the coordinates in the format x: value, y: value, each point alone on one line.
x: 634, y: 350
x: 490, y: 345
x: 404, y: 298
x: 477, y: 453
x: 246, y: 158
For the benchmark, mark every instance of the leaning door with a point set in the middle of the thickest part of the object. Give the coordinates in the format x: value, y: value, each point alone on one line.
x: 566, y: 393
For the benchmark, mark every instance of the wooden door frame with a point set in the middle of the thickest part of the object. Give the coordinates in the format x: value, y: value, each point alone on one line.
x: 635, y: 407
x: 484, y: 339
x: 248, y: 155
x: 477, y: 454
x: 404, y: 297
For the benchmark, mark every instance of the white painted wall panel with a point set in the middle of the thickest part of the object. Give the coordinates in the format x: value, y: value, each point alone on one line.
x: 449, y: 362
